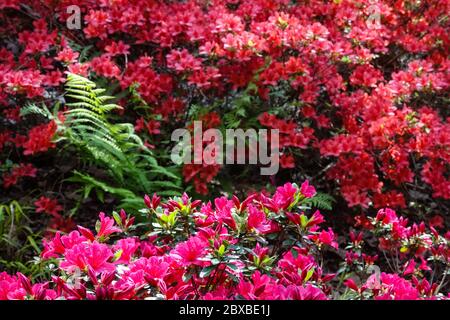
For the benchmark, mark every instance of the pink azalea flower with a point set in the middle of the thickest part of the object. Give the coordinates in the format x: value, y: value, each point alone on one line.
x: 93, y: 255
x: 258, y: 288
x: 316, y: 219
x: 409, y: 267
x: 59, y: 244
x: 386, y: 216
x: 257, y: 220
x: 285, y: 195
x: 127, y: 248
x: 325, y: 237
x: 393, y: 287
x: 307, y: 292
x: 149, y: 270
x: 223, y: 211
x: 105, y: 226
x: 350, y: 283
x: 8, y: 284
x: 307, y: 190
x: 190, y: 252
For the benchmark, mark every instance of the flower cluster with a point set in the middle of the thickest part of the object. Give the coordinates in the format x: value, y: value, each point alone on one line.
x: 264, y: 247
x: 368, y: 98
x: 414, y: 249
x: 17, y: 172
x: 40, y: 138
x: 360, y: 106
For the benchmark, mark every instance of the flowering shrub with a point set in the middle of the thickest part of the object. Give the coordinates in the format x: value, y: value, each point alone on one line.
x: 368, y: 97
x: 358, y: 90
x: 264, y: 247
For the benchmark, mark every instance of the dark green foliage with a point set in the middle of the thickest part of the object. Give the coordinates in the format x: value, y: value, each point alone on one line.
x: 131, y: 167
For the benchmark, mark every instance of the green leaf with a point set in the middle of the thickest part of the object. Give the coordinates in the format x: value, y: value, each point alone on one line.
x: 221, y: 250
x: 303, y: 220
x: 206, y: 271
x: 232, y: 266
x: 33, y: 244
x: 187, y: 276
x: 309, y: 274
x: 117, y: 218
x: 117, y: 255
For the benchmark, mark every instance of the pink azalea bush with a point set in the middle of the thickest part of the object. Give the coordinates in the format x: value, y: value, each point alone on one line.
x: 369, y: 99
x: 362, y: 111
x: 262, y: 247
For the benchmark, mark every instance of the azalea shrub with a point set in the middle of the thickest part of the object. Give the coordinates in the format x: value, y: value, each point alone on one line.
x: 358, y: 90
x: 367, y: 99
x: 262, y: 247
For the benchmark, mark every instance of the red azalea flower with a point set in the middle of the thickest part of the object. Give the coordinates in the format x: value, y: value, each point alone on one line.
x: 153, y: 127
x: 287, y: 161
x: 48, y: 205
x: 61, y: 224
x: 436, y: 221
x: 22, y: 170
x: 40, y: 138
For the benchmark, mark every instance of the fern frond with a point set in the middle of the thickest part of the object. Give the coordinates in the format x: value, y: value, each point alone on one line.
x: 320, y: 201
x: 34, y: 109
x: 114, y: 146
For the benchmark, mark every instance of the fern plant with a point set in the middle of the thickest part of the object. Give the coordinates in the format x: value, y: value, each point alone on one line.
x: 114, y: 147
x: 319, y: 201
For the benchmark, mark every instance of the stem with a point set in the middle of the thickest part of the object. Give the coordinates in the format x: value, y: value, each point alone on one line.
x: 197, y: 294
x: 387, y: 260
x: 219, y: 275
x: 211, y: 278
x: 341, y: 280
x: 442, y: 281
x: 397, y: 259
x: 279, y: 242
x: 186, y: 226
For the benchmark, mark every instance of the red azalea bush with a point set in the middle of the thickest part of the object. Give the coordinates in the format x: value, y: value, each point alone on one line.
x: 362, y: 111
x: 265, y: 247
